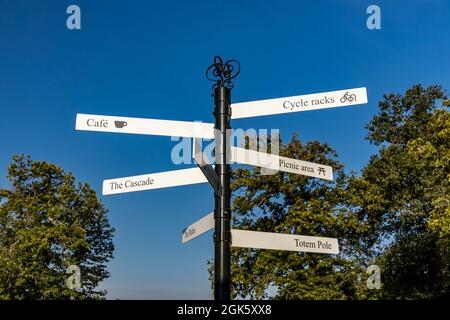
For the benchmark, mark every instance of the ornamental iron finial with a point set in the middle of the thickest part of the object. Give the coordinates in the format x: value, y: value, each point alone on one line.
x: 223, y: 73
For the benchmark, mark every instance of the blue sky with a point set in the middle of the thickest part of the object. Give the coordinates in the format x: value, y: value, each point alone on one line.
x: 148, y: 58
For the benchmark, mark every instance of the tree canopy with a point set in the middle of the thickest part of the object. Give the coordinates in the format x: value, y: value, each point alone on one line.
x: 405, y: 191
x: 395, y: 214
x: 48, y: 223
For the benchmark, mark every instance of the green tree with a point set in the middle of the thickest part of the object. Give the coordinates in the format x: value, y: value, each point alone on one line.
x: 395, y: 215
x: 48, y: 223
x: 404, y: 193
x: 296, y: 204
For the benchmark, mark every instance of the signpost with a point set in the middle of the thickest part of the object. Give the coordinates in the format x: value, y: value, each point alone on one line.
x: 198, y: 228
x: 280, y: 241
x: 269, y: 161
x: 264, y: 240
x: 90, y: 122
x: 206, y: 167
x: 332, y: 99
x: 219, y: 176
x: 224, y: 73
x: 153, y: 181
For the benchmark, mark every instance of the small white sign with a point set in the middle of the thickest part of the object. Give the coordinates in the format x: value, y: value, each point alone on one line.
x: 280, y: 241
x: 307, y: 102
x: 197, y: 228
x: 206, y: 167
x: 274, y: 162
x: 154, y: 181
x: 89, y: 122
x: 198, y: 154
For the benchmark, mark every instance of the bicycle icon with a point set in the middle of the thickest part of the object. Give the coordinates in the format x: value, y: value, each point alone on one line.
x: 348, y: 97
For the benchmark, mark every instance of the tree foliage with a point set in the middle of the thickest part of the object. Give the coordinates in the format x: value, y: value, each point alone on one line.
x: 396, y: 214
x: 48, y: 223
x: 405, y: 191
x: 295, y: 204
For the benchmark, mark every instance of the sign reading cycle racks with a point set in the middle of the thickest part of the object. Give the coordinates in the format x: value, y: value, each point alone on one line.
x: 219, y: 175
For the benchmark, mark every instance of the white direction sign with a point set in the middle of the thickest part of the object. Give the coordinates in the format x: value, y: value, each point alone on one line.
x: 154, y: 181
x: 307, y: 102
x: 206, y: 167
x: 274, y: 162
x: 89, y: 122
x: 197, y: 228
x: 279, y: 241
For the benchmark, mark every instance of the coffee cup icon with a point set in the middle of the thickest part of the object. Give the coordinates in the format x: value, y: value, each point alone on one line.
x: 120, y: 124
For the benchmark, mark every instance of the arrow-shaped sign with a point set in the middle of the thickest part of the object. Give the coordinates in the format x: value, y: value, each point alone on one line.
x: 197, y: 228
x: 274, y: 162
x: 206, y: 167
x: 280, y: 241
x: 158, y: 127
x: 307, y: 102
x: 264, y: 240
x: 153, y: 181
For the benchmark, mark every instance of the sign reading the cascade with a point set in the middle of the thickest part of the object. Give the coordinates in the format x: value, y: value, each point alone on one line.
x: 197, y: 228
x: 154, y: 181
x: 308, y: 102
x: 158, y: 127
x: 274, y: 162
x: 279, y: 241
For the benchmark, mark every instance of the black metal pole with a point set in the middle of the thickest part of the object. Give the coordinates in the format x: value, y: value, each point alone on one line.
x: 222, y: 213
x: 222, y: 74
